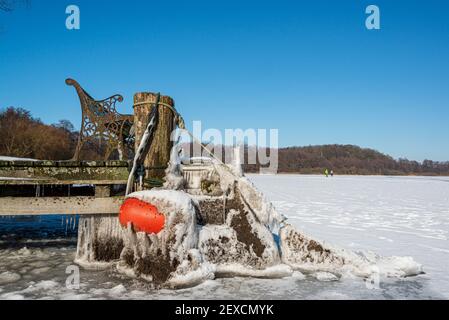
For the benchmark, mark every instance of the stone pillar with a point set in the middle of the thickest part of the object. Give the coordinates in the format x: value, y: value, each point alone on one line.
x: 158, y: 156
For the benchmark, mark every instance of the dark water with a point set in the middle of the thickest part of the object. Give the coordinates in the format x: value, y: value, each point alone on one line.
x: 15, y: 230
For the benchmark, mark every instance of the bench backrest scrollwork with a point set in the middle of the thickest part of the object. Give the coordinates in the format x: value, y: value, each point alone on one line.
x: 101, y: 122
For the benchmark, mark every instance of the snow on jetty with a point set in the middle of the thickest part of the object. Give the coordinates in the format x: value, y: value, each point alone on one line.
x: 217, y: 224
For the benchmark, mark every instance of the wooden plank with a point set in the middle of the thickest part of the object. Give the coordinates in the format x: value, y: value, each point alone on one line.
x: 63, y: 171
x: 10, y: 206
x: 67, y: 164
x: 34, y: 182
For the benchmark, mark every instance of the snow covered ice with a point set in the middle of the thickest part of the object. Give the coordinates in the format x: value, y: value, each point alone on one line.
x: 395, y: 217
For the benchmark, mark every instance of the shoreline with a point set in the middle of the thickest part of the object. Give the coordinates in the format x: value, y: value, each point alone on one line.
x: 346, y: 175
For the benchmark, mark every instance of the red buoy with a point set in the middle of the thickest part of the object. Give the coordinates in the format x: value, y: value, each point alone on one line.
x: 144, y: 216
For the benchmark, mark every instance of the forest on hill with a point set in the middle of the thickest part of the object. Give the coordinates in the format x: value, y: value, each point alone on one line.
x: 350, y: 159
x: 22, y: 135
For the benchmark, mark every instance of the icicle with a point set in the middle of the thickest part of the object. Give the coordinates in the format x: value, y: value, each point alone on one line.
x: 140, y: 181
x: 237, y: 161
x: 66, y: 224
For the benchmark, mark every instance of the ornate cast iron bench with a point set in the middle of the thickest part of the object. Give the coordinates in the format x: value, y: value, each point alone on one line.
x: 101, y: 122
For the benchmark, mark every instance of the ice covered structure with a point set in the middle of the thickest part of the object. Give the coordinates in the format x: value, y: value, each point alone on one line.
x: 307, y: 255
x: 219, y: 225
x: 100, y: 241
x: 158, y: 256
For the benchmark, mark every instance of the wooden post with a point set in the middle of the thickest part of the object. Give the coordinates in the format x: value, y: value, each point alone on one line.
x: 159, y: 154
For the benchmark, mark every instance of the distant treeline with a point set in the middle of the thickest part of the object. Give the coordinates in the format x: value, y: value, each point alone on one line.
x: 23, y: 136
x: 349, y: 159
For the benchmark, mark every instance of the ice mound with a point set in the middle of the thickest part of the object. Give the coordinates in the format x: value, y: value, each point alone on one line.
x: 169, y: 254
x: 217, y: 224
x: 188, y: 274
x: 243, y: 240
x: 262, y: 208
x: 185, y: 253
x: 100, y: 241
x: 394, y: 267
x: 308, y: 255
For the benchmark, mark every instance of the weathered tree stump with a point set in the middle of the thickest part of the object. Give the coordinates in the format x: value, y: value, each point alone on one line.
x: 159, y: 154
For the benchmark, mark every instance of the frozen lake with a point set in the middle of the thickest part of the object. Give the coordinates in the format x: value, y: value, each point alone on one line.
x: 392, y: 216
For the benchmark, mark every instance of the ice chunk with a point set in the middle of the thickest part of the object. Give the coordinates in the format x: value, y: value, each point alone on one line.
x: 298, y: 275
x: 9, y: 277
x: 240, y: 270
x: 303, y: 253
x: 12, y: 296
x: 204, y: 272
x: 117, y: 290
x: 325, y: 276
x: 397, y: 267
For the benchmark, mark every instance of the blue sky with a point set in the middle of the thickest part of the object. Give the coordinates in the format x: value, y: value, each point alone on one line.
x: 309, y: 68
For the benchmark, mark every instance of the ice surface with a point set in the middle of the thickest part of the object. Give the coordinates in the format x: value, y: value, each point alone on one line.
x: 405, y: 219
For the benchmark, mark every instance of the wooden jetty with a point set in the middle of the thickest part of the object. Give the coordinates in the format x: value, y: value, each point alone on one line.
x: 93, y: 187
x: 62, y: 187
